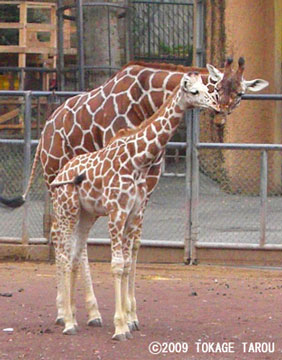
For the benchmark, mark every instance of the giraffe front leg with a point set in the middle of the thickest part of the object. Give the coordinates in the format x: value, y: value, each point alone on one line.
x: 121, y: 327
x: 133, y: 320
x: 126, y: 305
x: 117, y: 222
x: 74, y: 276
x: 134, y: 234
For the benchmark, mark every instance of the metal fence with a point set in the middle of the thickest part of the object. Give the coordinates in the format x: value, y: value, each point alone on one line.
x: 201, y: 208
x: 163, y: 31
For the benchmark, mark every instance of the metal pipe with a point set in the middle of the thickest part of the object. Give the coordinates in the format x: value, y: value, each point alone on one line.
x: 109, y: 40
x: 262, y: 97
x: 195, y: 187
x: 26, y: 69
x: 17, y: 141
x: 263, y: 197
x: 234, y: 146
x: 247, y: 246
x: 106, y: 4
x: 60, y: 40
x: 80, y: 52
x: 189, y: 2
x: 159, y: 243
x: 188, y: 183
x: 27, y: 162
x: 91, y: 241
x: 276, y: 97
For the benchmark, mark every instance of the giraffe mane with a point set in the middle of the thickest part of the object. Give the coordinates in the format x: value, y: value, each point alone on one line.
x: 166, y: 66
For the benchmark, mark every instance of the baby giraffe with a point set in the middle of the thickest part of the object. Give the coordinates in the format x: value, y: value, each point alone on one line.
x: 112, y: 182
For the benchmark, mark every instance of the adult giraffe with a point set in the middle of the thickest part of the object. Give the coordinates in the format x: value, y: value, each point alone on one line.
x: 86, y: 122
x: 113, y: 182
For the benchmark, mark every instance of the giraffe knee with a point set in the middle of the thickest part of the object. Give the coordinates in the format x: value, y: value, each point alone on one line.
x: 127, y: 266
x: 136, y: 245
x: 117, y: 267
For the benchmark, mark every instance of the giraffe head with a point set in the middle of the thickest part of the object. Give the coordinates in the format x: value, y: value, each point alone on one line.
x: 230, y: 85
x: 196, y: 93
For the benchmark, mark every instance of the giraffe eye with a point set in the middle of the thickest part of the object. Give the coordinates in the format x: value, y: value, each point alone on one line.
x: 194, y: 92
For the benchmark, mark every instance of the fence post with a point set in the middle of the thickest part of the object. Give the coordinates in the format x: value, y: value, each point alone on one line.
x: 27, y: 161
x: 128, y: 31
x: 60, y: 41
x: 263, y: 196
x: 188, y: 184
x: 194, y: 187
x: 79, y: 24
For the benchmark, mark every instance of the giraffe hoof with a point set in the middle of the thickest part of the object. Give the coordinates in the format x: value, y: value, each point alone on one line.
x: 70, y: 331
x: 95, y: 322
x: 130, y: 326
x: 119, y: 337
x: 60, y: 321
x: 128, y: 335
x: 135, y: 325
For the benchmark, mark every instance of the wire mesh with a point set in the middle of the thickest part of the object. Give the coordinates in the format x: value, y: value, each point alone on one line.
x: 164, y: 217
x: 230, y: 203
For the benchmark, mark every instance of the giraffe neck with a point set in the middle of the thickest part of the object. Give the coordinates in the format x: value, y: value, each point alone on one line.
x: 152, y: 137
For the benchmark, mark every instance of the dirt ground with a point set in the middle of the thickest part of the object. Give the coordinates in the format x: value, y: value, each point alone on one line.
x: 207, y: 309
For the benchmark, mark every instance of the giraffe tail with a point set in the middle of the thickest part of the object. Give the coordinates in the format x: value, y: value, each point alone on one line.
x: 76, y: 181
x: 20, y: 200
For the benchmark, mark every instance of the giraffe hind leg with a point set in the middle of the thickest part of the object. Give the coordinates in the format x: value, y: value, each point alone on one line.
x: 67, y: 257
x: 84, y: 226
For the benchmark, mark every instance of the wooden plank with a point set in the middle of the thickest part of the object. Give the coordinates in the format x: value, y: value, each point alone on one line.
x: 40, y: 5
x: 26, y: 50
x: 19, y: 101
x: 11, y: 25
x: 10, y: 2
x: 71, y: 51
x: 47, y: 50
x: 12, y: 49
x: 40, y: 27
x: 22, y: 36
x: 8, y: 116
x: 17, y: 126
x: 29, y: 3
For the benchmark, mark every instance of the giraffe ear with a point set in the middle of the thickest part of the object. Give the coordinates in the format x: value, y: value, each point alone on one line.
x: 186, y: 84
x: 215, y: 74
x: 256, y: 85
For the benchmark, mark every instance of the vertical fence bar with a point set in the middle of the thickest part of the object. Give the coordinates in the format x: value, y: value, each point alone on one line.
x: 263, y: 197
x: 109, y: 40
x: 27, y: 161
x: 128, y: 31
x: 79, y: 24
x: 149, y: 29
x: 60, y: 41
x: 188, y: 184
x: 194, y: 187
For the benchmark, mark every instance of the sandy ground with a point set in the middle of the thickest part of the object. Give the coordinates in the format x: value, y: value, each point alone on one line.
x: 207, y: 309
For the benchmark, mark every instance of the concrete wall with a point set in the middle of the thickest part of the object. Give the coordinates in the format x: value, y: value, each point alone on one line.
x: 249, y: 28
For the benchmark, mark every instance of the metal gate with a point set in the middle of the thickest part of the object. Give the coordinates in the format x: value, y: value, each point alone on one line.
x: 163, y: 31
